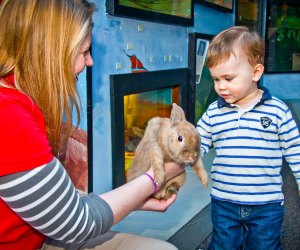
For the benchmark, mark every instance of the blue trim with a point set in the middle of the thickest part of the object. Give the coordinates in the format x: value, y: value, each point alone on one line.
x: 294, y: 163
x: 290, y: 130
x: 225, y: 130
x: 207, y: 124
x: 245, y: 138
x: 246, y: 128
x: 266, y: 113
x: 248, y: 184
x: 288, y: 121
x: 290, y: 155
x: 247, y: 203
x: 274, y: 106
x: 204, y: 144
x: 249, y: 157
x: 292, y: 139
x: 293, y: 146
x: 246, y: 175
x: 247, y: 193
x: 225, y: 122
x: 245, y: 166
x: 248, y: 147
x: 223, y: 114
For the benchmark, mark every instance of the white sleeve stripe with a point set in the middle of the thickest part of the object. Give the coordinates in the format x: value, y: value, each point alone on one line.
x: 38, y: 216
x: 50, y: 222
x: 71, y: 230
x: 45, y: 197
x: 56, y: 202
x: 66, y: 220
x: 22, y: 178
x: 83, y: 227
x: 92, y: 227
x: 34, y: 188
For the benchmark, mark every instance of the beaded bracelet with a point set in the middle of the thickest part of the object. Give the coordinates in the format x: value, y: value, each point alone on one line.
x: 153, y: 182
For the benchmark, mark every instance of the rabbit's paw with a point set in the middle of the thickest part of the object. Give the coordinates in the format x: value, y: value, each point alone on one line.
x: 172, y: 189
x: 160, y: 195
x: 159, y: 177
x: 203, y: 176
x: 166, y: 192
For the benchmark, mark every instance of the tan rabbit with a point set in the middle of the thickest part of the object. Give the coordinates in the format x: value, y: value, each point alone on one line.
x: 171, y: 139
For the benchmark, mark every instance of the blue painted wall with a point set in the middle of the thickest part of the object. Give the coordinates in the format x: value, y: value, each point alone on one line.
x: 283, y: 86
x: 158, y: 46
x: 210, y: 21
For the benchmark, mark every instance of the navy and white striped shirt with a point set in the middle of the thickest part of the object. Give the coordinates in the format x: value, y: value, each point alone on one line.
x: 250, y: 146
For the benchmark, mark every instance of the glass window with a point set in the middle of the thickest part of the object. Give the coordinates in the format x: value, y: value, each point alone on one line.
x: 283, y: 36
x: 139, y: 109
x: 205, y: 93
x: 249, y: 14
x: 204, y: 82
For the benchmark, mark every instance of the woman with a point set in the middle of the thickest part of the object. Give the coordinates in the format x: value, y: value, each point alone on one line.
x: 44, y: 46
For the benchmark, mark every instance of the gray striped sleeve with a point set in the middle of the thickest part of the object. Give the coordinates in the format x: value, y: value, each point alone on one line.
x: 46, y: 199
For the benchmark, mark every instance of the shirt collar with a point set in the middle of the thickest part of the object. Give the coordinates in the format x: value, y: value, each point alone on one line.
x: 265, y: 96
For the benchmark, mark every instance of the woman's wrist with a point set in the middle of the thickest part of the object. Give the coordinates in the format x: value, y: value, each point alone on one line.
x: 155, y: 186
x: 172, y: 169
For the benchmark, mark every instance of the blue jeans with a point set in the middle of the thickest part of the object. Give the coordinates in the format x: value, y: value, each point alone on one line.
x: 255, y: 227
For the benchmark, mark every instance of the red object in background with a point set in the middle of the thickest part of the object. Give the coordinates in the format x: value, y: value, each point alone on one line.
x: 136, y: 64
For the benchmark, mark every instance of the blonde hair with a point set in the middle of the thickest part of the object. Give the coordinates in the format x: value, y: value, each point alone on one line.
x: 39, y: 44
x: 235, y: 38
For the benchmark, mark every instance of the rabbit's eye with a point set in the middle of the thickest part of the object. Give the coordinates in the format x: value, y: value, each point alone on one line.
x: 180, y: 138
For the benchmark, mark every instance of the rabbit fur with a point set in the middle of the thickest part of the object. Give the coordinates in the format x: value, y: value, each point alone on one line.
x: 171, y: 139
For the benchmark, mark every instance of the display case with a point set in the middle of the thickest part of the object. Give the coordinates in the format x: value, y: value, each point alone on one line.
x: 249, y: 14
x: 135, y: 99
x: 222, y: 5
x: 171, y: 11
x: 283, y: 36
x: 201, y: 80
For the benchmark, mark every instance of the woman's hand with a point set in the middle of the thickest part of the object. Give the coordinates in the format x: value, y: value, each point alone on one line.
x: 152, y: 204
x: 135, y: 195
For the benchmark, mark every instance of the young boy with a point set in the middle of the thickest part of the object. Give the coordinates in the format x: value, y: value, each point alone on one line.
x: 251, y: 132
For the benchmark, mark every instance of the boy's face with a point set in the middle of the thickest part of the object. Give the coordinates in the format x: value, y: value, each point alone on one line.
x: 236, y: 80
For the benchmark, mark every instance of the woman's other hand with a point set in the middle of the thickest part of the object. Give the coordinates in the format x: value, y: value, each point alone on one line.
x: 152, y: 204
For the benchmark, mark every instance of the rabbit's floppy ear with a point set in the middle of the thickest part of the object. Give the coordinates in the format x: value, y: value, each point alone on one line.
x: 177, y: 115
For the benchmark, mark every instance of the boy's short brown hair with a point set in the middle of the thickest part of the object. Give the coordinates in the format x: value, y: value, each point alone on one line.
x: 225, y: 43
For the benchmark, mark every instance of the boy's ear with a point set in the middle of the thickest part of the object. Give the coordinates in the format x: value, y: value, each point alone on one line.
x: 258, y: 70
